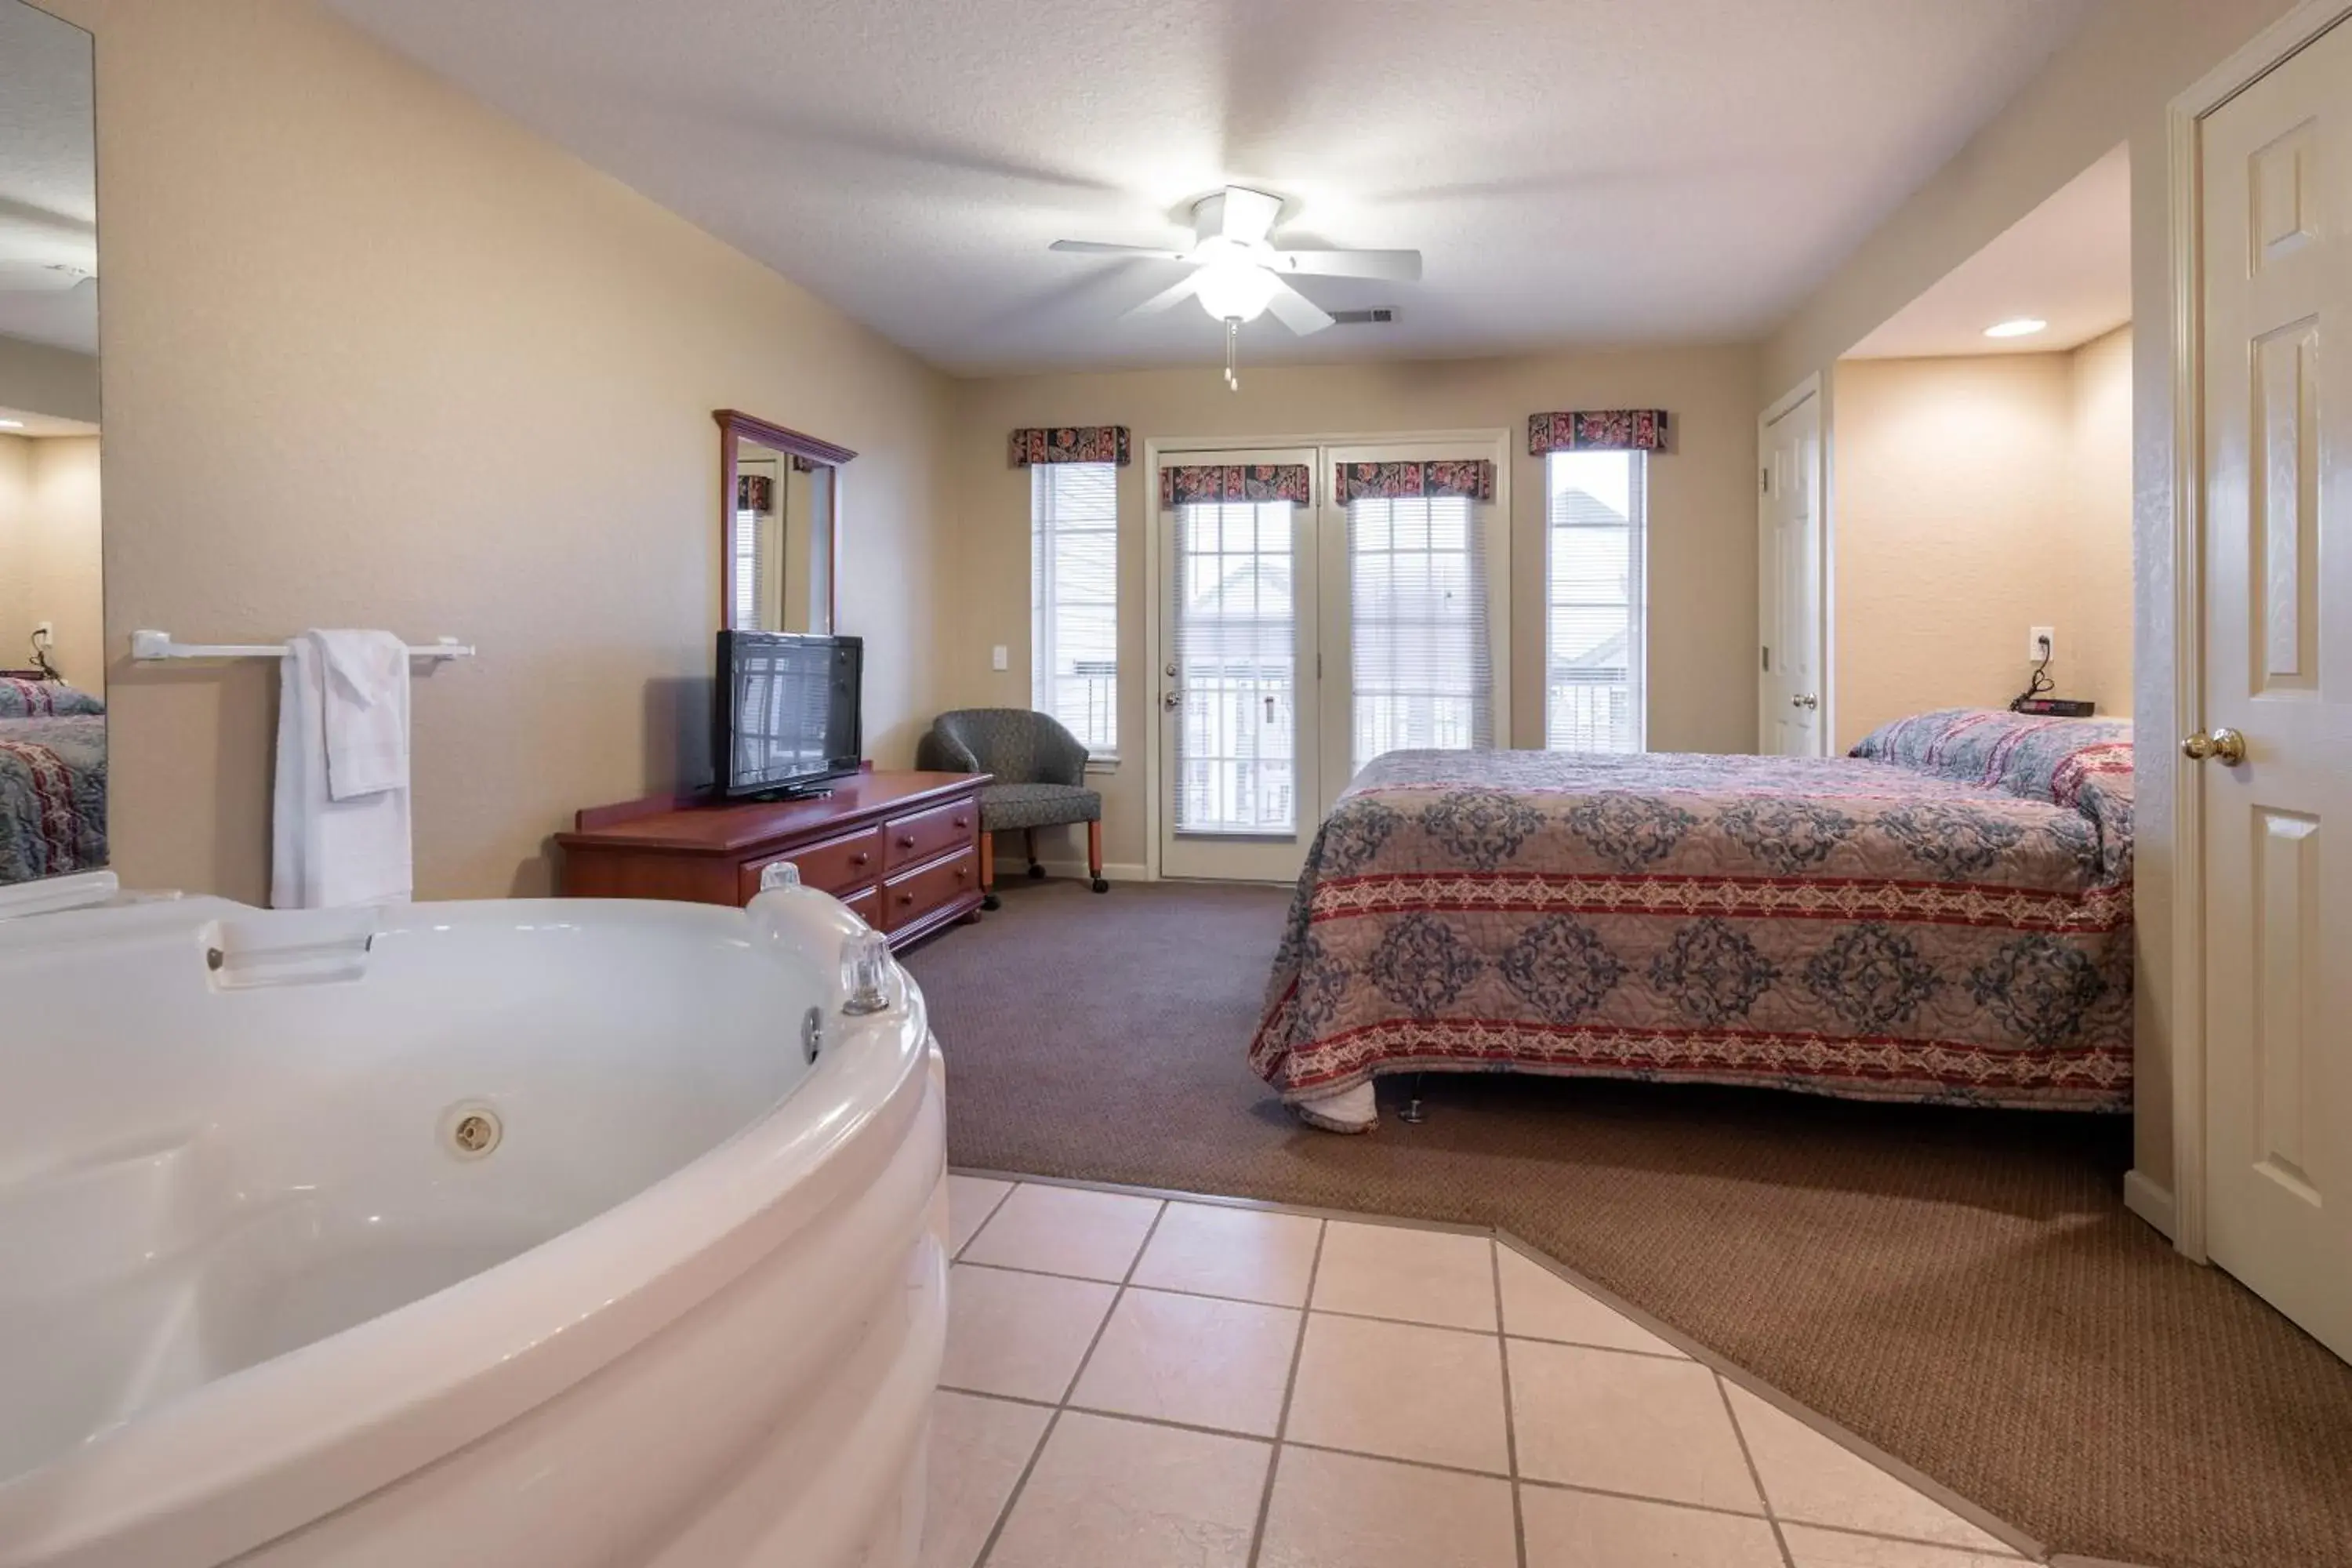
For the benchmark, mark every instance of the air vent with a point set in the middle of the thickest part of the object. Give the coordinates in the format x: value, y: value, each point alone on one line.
x: 1377, y: 316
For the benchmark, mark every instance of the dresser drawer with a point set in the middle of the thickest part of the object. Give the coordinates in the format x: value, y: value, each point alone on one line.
x: 909, y: 840
x: 866, y: 905
x: 906, y: 900
x: 830, y: 866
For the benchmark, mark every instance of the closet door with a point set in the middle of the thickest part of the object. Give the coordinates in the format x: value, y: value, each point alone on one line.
x: 2276, y: 752
x: 1790, y: 687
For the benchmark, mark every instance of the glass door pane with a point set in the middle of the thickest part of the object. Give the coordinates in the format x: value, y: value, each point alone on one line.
x: 1237, y: 680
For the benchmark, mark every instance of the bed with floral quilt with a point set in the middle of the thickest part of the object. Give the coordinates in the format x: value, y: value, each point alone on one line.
x: 1944, y: 915
x: 52, y: 780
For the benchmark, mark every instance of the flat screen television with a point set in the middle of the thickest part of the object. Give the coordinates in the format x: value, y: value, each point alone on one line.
x: 787, y: 712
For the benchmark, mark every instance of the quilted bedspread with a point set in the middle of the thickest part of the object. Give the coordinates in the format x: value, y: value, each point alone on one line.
x: 1944, y: 916
x: 52, y: 797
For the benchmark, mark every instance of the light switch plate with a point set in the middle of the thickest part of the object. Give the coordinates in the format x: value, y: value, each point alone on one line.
x: 2035, y: 638
x: 999, y: 658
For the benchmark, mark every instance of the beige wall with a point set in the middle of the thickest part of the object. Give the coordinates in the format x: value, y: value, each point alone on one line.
x: 1975, y: 498
x: 349, y: 314
x: 2110, y: 83
x: 1702, y: 517
x: 50, y: 554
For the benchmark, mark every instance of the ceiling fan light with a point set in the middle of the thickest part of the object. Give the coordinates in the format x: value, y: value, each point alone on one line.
x: 1235, y: 290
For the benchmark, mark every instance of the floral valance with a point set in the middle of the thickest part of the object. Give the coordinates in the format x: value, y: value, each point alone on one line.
x: 1472, y: 478
x: 1598, y: 430
x: 1196, y: 483
x: 1071, y: 444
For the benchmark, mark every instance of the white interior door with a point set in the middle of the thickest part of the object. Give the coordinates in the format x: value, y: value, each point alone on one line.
x: 1240, y: 798
x: 1415, y: 633
x: 2276, y: 204
x: 1790, y: 687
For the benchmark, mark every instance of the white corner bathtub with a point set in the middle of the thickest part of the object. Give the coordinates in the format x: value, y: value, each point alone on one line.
x: 672, y: 1296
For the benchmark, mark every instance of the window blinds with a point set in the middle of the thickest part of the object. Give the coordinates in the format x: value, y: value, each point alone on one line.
x: 748, y: 594
x: 1423, y: 674
x: 1074, y: 599
x: 1595, y: 604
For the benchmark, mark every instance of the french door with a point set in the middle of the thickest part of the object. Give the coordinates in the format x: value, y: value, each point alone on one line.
x: 1240, y: 795
x: 1302, y: 633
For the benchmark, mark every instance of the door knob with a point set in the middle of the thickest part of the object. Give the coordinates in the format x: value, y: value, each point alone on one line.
x: 1808, y: 700
x: 1170, y: 701
x: 2228, y: 745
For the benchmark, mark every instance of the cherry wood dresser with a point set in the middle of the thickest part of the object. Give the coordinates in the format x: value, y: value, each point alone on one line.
x: 901, y: 848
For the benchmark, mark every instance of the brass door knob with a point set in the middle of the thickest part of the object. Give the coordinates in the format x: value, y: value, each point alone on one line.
x: 1808, y: 700
x: 2227, y: 745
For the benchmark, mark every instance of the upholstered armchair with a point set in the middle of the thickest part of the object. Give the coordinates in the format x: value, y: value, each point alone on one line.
x: 1041, y: 770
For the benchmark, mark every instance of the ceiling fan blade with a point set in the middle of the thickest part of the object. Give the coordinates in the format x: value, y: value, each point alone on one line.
x: 1249, y: 214
x: 1101, y: 248
x: 1295, y: 311
x: 1175, y: 294
x: 1401, y: 266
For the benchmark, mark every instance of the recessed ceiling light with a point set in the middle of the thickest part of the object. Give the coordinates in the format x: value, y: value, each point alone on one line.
x: 2020, y: 326
x: 11, y: 424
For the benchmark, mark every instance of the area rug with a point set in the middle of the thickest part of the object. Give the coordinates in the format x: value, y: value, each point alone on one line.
x: 1963, y: 1289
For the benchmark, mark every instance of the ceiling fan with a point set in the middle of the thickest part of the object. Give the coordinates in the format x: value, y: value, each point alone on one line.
x: 1238, y: 275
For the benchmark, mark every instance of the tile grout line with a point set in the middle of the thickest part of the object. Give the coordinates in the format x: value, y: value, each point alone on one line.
x: 1511, y: 1409
x: 1216, y: 1200
x: 957, y: 1255
x: 1755, y: 1472
x: 1289, y: 1391
x: 1674, y: 1357
x: 1061, y: 1408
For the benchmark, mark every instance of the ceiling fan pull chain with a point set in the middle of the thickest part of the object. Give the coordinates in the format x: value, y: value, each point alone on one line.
x: 1232, y: 348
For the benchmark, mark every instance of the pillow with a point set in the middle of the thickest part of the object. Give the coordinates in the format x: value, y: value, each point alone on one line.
x: 22, y: 699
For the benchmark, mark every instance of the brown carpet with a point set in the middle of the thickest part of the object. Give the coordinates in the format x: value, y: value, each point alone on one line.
x: 1963, y: 1289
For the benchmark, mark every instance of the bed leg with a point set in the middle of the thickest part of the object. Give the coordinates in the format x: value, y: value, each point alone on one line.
x: 1413, y: 1115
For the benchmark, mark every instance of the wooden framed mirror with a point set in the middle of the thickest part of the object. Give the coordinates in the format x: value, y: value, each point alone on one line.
x: 779, y: 527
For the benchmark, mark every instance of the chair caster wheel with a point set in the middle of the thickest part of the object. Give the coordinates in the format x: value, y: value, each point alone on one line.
x: 1102, y: 885
x: 992, y: 902
x: 1036, y: 872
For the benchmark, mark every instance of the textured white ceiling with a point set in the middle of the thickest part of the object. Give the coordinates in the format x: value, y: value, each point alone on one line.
x: 2067, y: 262
x: 49, y: 190
x: 1575, y: 170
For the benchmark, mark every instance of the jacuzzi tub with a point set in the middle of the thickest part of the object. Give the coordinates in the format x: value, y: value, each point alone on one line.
x: 510, y: 1234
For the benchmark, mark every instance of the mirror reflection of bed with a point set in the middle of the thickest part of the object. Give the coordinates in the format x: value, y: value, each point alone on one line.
x: 52, y: 651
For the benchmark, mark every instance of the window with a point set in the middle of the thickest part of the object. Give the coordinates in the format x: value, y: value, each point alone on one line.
x: 1595, y: 680
x: 1074, y: 599
x: 748, y: 594
x: 1424, y: 677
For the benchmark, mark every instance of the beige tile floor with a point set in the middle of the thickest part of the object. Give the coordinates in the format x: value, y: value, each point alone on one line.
x: 1134, y: 1381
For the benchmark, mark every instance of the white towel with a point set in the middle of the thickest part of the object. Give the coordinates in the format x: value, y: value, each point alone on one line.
x: 367, y: 712
x: 327, y: 853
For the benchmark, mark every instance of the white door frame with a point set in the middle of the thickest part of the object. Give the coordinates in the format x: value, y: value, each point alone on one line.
x: 1815, y: 386
x: 2282, y: 38
x: 1158, y: 448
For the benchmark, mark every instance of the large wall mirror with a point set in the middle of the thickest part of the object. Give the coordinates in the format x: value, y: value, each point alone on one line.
x: 780, y: 526
x: 52, y: 636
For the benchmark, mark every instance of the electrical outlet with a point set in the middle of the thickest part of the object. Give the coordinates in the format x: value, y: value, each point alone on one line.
x: 999, y: 658
x: 2041, y: 643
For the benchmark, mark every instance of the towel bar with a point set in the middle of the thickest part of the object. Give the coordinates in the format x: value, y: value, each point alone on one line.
x: 149, y: 646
